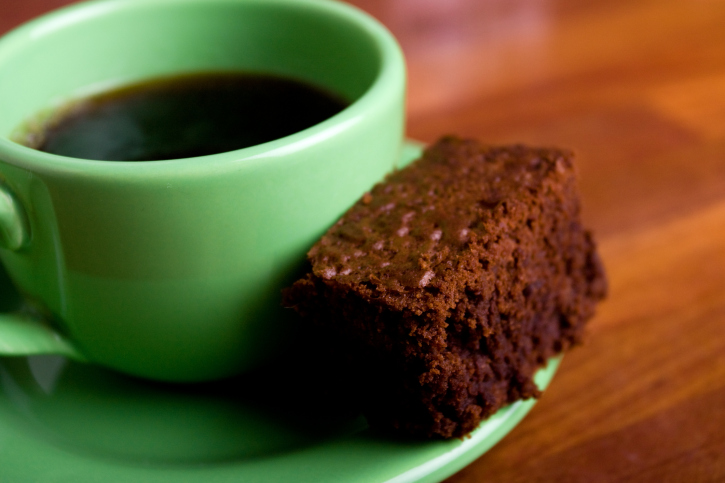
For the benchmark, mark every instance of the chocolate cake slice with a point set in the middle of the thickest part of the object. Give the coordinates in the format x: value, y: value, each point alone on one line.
x: 449, y: 284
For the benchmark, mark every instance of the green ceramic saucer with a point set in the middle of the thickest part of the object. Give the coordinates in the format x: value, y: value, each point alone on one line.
x: 68, y: 422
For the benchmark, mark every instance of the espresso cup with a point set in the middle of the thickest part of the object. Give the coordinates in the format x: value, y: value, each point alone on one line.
x: 172, y: 270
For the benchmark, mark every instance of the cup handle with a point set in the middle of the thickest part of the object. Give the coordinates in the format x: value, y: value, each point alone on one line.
x: 22, y: 333
x: 14, y: 230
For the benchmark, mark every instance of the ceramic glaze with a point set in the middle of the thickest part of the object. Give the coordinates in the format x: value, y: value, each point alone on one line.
x: 172, y: 269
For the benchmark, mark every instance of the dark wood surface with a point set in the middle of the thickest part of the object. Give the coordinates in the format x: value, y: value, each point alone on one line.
x: 637, y: 89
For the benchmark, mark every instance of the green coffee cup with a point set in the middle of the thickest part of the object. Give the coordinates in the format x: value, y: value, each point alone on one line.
x: 171, y: 270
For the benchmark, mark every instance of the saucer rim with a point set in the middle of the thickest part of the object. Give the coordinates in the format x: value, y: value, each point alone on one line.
x: 27, y: 457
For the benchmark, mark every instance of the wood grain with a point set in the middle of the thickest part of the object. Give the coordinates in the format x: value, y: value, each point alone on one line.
x: 637, y: 89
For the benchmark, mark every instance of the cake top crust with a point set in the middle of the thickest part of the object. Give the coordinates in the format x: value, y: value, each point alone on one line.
x: 417, y: 238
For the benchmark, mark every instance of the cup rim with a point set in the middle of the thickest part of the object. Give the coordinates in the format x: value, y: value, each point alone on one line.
x: 392, y: 67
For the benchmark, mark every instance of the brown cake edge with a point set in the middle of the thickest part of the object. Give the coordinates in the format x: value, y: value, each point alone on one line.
x: 428, y: 377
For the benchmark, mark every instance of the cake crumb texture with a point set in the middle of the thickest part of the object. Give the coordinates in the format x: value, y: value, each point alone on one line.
x: 449, y: 284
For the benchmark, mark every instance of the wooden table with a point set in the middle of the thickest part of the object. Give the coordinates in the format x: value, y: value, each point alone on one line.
x: 637, y: 89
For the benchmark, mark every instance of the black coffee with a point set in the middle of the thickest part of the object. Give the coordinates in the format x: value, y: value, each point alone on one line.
x: 185, y: 116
